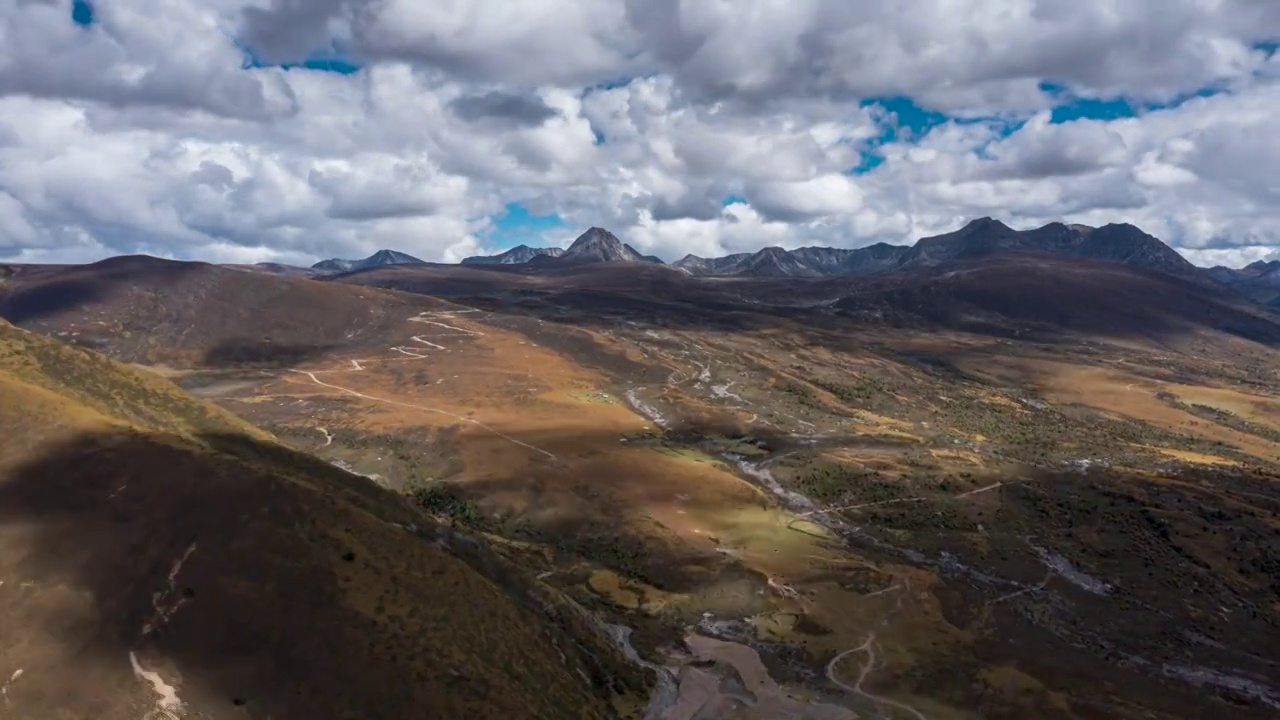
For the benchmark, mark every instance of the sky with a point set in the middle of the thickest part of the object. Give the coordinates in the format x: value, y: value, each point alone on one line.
x: 295, y: 130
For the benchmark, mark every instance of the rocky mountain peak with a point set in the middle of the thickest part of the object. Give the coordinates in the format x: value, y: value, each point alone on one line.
x: 600, y: 245
x: 984, y: 225
x: 1122, y: 242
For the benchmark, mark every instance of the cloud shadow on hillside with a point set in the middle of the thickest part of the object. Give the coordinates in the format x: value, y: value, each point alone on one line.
x: 262, y: 354
x: 36, y: 292
x: 264, y: 629
x: 245, y: 546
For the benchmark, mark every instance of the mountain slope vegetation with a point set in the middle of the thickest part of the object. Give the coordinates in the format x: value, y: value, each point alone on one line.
x: 161, y: 558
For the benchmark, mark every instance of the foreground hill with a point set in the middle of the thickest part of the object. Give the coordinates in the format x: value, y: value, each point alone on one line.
x: 154, y: 311
x: 160, y: 558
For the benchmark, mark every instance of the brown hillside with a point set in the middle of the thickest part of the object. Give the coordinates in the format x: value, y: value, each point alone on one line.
x: 161, y: 559
x: 154, y: 311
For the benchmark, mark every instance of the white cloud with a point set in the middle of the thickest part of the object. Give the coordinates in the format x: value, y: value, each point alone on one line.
x: 806, y: 200
x: 144, y: 133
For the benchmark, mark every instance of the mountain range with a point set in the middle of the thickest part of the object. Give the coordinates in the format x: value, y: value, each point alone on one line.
x: 1117, y: 243
x: 1121, y: 243
x: 806, y: 261
x: 1259, y: 281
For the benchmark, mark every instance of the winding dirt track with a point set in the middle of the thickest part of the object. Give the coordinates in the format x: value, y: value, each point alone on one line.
x: 424, y: 408
x: 869, y: 647
x: 416, y: 354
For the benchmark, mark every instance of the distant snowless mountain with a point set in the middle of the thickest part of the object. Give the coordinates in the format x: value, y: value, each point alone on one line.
x: 1121, y: 243
x: 1118, y: 243
x: 382, y: 257
x: 594, y: 245
x: 517, y: 255
x: 1258, y: 280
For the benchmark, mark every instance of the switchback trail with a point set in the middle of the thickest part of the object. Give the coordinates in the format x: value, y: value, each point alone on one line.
x: 424, y: 408
x: 869, y: 647
x: 415, y: 354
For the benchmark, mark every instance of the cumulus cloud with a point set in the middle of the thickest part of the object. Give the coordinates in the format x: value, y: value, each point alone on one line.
x: 170, y: 127
x: 151, y: 52
x: 503, y: 108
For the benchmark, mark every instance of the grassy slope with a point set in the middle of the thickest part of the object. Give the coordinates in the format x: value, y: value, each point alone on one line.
x: 305, y: 592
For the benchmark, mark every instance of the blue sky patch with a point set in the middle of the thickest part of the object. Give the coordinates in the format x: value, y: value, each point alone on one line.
x: 870, y: 161
x: 1207, y: 92
x: 1071, y: 107
x: 733, y: 200
x: 81, y: 13
x: 902, y: 119
x: 517, y: 226
x: 909, y: 122
x: 342, y: 66
x: 611, y: 84
x: 1092, y: 109
x: 333, y: 61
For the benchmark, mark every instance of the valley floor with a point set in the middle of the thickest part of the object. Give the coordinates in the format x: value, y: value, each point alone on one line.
x: 793, y: 522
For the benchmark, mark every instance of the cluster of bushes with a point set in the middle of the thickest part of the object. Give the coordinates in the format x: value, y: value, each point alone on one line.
x: 447, y: 499
x: 829, y: 482
x: 800, y: 392
x: 863, y: 391
x: 1235, y: 422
